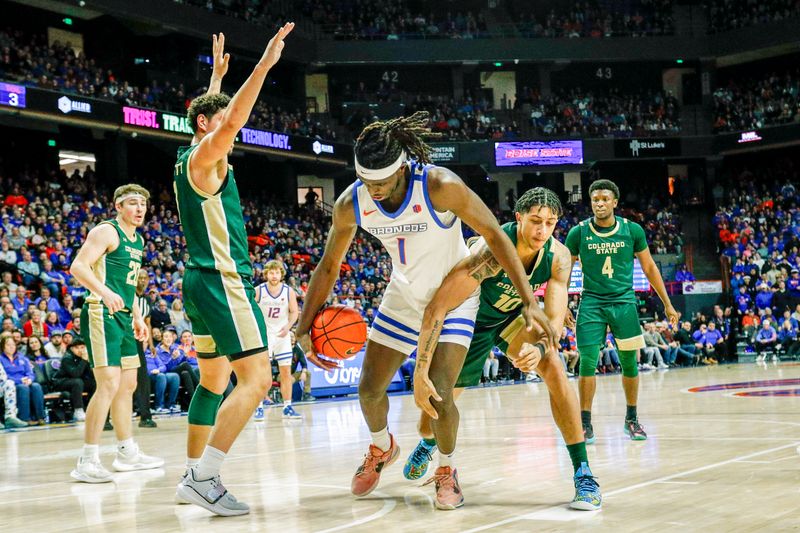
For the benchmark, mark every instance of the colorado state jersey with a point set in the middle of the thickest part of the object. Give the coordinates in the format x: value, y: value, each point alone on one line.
x: 499, y: 297
x: 424, y: 244
x: 606, y: 256
x: 212, y: 223
x: 118, y: 270
x: 275, y: 308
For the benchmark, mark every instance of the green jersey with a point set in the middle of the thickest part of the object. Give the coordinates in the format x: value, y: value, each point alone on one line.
x: 499, y: 297
x: 118, y: 270
x: 606, y: 256
x: 212, y: 223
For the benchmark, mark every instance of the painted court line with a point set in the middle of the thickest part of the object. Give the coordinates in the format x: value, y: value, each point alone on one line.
x: 578, y: 514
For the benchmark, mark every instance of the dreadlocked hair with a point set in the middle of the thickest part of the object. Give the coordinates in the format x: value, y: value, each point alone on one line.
x: 381, y: 142
x: 539, y: 197
x: 604, y: 185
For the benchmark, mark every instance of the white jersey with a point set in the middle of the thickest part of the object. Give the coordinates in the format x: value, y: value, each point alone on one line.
x: 275, y: 308
x: 424, y: 244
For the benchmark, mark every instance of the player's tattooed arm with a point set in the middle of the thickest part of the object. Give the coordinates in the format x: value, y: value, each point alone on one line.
x: 482, y: 264
x: 428, y: 343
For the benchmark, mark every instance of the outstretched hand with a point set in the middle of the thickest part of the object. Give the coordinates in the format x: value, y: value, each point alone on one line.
x: 275, y: 46
x: 221, y: 59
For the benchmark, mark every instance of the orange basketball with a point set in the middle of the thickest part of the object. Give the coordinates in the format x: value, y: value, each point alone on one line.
x: 338, y: 332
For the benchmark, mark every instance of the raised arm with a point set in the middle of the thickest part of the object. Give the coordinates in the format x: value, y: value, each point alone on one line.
x: 100, y: 240
x: 462, y: 281
x: 343, y: 229
x: 220, y: 67
x: 217, y: 144
x: 449, y: 193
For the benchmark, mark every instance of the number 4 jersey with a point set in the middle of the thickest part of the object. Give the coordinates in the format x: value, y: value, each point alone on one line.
x: 606, y: 256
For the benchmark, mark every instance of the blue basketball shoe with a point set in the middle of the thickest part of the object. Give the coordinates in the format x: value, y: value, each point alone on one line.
x: 417, y: 463
x: 587, y: 490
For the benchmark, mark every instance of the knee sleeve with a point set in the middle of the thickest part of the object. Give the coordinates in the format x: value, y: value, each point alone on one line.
x: 203, y: 407
x: 589, y: 356
x: 627, y: 359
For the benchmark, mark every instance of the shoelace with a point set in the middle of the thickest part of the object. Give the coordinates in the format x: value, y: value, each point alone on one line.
x: 636, y: 427
x: 370, y: 462
x: 420, y: 454
x: 587, y: 484
x: 446, y: 480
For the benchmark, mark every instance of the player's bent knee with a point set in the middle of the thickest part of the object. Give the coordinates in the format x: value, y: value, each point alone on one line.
x: 627, y: 360
x: 204, y: 406
x: 367, y: 391
x: 588, y: 363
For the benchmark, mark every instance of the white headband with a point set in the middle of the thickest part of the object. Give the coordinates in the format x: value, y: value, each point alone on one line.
x: 377, y: 174
x: 129, y: 195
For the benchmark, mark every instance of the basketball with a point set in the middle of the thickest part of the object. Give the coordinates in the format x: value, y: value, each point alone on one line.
x: 338, y: 332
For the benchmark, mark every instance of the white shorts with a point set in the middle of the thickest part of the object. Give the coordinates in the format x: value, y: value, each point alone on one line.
x: 397, y: 322
x: 280, y: 348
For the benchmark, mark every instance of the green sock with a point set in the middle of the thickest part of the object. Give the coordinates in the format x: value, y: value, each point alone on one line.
x: 631, y: 413
x: 577, y: 452
x: 586, y: 417
x: 430, y: 443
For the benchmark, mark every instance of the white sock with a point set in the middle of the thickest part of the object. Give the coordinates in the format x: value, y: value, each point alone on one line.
x: 381, y: 439
x: 287, y: 403
x: 126, y: 446
x: 91, y: 451
x: 210, y: 463
x: 192, y: 461
x: 446, y: 459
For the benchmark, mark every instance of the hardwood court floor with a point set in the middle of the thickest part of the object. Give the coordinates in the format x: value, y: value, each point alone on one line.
x: 715, y: 460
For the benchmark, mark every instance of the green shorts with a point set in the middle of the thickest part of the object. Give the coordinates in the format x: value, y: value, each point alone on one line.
x: 226, y: 320
x: 483, y: 340
x: 622, y: 318
x: 109, y: 338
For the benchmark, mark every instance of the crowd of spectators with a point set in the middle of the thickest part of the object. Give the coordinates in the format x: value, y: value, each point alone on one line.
x: 29, y: 60
x: 724, y: 15
x: 391, y: 20
x: 576, y: 112
x: 759, y: 231
x: 272, y: 13
x: 755, y: 102
x: 595, y: 19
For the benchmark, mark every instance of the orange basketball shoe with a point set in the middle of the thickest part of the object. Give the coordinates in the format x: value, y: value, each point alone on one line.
x: 448, y: 491
x: 369, y: 473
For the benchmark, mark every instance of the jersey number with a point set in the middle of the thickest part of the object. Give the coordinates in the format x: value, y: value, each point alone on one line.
x: 507, y: 303
x: 401, y: 247
x: 133, y: 273
x: 274, y: 312
x: 608, y: 270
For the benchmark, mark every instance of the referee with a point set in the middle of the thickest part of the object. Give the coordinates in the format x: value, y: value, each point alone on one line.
x: 142, y: 393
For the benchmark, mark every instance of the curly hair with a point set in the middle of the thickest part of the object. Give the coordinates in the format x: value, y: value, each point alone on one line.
x: 381, y: 142
x: 539, y: 197
x: 208, y: 105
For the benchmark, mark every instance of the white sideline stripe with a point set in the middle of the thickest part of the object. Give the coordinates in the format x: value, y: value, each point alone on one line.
x: 578, y: 514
